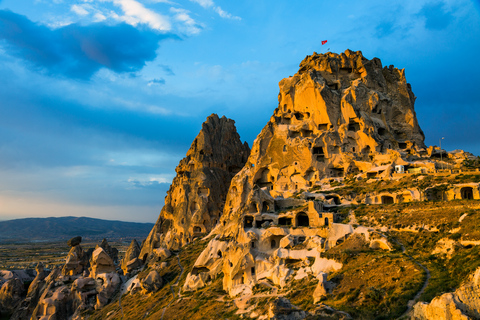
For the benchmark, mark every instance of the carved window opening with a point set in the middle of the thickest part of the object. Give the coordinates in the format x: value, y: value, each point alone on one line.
x: 346, y: 70
x: 284, y: 148
x: 197, y: 229
x: 382, y: 131
x: 252, y: 270
x: 219, y: 253
x: 273, y: 244
x: 334, y: 86
x: 298, y: 115
x: 293, y: 134
x: 326, y: 222
x: 302, y: 220
x: 387, y: 200
x: 265, y: 207
x: 284, y: 221
x: 353, y: 126
x: 466, y: 192
x: 323, y: 126
x: 317, y: 150
x: 336, y: 199
x: 248, y: 222
x: 402, y: 145
x: 306, y: 133
x: 252, y: 244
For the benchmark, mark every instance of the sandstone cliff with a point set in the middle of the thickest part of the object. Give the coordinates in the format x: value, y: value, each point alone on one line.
x: 195, y: 200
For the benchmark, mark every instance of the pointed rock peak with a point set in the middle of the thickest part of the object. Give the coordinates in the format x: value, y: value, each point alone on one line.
x: 196, y: 198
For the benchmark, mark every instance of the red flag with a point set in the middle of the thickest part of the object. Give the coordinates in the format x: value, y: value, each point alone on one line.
x: 323, y: 42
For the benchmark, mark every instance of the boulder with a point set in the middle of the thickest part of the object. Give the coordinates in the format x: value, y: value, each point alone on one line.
x: 11, y: 295
x: 162, y: 253
x: 282, y: 309
x: 152, y: 282
x: 131, y: 265
x: 111, y: 251
x: 75, y: 241
x: 107, y: 285
x: 76, y: 262
x: 130, y: 260
x: 101, y: 262
x: 462, y: 304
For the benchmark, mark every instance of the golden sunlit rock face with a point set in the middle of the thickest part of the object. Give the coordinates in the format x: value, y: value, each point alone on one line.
x: 338, y: 116
x: 194, y: 203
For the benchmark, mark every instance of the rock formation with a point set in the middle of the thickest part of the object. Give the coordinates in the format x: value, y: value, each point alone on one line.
x: 83, y: 283
x: 195, y: 201
x: 463, y: 304
x: 341, y: 115
x: 75, y: 241
x: 130, y: 260
x: 101, y: 262
x: 77, y: 261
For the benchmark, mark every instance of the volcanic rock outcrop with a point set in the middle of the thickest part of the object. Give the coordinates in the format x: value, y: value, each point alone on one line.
x: 341, y: 115
x: 130, y: 260
x: 195, y: 200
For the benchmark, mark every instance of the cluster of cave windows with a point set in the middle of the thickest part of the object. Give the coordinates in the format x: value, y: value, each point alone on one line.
x: 301, y: 220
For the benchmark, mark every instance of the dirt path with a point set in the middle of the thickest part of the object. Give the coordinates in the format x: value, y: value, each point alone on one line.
x: 174, y: 285
x: 412, y: 302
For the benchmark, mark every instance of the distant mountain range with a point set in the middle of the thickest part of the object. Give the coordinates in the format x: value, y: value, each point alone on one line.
x: 52, y: 229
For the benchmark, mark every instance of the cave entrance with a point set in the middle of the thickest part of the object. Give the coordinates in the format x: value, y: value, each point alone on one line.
x: 248, y: 222
x: 284, y: 221
x: 273, y: 244
x: 353, y: 126
x: 302, y: 220
x: 387, y: 200
x: 336, y: 199
x: 466, y: 192
x: 323, y: 126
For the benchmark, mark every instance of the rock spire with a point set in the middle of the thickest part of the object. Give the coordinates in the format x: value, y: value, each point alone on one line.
x: 195, y: 200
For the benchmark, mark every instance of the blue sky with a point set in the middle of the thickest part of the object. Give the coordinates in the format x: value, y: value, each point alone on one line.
x: 100, y: 99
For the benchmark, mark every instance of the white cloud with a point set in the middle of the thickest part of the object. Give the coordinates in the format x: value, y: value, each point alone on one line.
x: 222, y: 13
x: 135, y: 13
x: 225, y: 14
x: 80, y: 10
x: 204, y: 3
x: 98, y: 17
x: 189, y: 25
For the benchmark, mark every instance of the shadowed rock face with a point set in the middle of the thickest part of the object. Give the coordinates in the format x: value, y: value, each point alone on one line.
x: 195, y: 201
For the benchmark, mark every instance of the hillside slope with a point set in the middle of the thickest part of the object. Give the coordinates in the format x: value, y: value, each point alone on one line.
x: 50, y: 229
